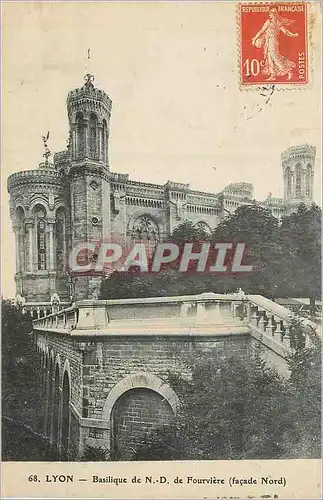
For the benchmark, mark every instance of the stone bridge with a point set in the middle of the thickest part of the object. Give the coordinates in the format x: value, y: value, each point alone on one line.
x: 105, y: 364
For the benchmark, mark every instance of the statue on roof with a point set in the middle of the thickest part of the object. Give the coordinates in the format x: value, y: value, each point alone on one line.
x: 47, y: 152
x: 89, y: 79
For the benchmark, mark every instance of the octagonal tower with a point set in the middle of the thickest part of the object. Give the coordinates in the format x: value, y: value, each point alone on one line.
x: 89, y: 111
x: 298, y: 171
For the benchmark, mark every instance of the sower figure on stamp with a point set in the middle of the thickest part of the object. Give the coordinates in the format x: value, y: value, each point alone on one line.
x: 275, y: 64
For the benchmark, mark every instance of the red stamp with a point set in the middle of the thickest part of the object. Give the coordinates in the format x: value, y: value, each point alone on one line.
x: 273, y: 43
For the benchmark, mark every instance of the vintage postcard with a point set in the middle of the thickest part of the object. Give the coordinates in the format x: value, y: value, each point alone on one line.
x: 161, y: 249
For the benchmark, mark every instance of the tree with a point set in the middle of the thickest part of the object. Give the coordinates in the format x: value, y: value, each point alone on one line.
x: 187, y: 232
x: 300, y: 262
x: 21, y: 395
x: 232, y: 408
x: 258, y: 229
x: 239, y: 408
x: 20, y: 383
x: 304, y: 389
x: 285, y: 258
x: 168, y: 281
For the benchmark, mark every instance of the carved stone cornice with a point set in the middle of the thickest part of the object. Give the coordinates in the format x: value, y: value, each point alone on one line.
x: 88, y: 99
x: 298, y: 153
x: 46, y: 177
x: 85, y: 169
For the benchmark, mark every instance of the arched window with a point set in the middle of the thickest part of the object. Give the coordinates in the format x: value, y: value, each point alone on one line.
x: 20, y: 239
x: 80, y: 136
x: 60, y: 240
x: 104, y: 142
x: 41, y: 239
x: 204, y: 227
x: 146, y: 231
x: 298, y: 172
x: 288, y: 181
x: 93, y: 130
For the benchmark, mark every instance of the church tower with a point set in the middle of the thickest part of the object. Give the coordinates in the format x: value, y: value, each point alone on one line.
x: 298, y: 172
x: 89, y: 111
x: 39, y: 215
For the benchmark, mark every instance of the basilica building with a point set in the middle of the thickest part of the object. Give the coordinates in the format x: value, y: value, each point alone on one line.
x: 77, y: 198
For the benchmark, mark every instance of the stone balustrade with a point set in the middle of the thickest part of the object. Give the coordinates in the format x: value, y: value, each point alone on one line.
x: 41, y: 309
x: 271, y: 322
x: 207, y: 314
x: 207, y: 310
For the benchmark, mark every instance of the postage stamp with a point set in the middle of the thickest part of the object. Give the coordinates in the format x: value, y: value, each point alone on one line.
x: 273, y: 43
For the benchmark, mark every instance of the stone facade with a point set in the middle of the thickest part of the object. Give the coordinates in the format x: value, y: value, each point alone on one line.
x: 77, y: 198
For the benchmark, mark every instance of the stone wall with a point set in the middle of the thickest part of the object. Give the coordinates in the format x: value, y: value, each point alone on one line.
x: 115, y: 359
x: 102, y: 370
x: 136, y: 413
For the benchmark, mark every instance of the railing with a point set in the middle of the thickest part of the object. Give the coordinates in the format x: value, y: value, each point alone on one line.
x: 208, y: 314
x: 41, y: 308
x: 191, y: 310
x: 271, y: 323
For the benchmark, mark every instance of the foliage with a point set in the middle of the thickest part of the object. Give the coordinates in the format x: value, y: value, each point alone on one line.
x: 96, y: 454
x: 239, y: 408
x: 305, y: 393
x: 186, y: 232
x: 19, y: 382
x: 300, y: 264
x: 21, y: 398
x: 167, y: 283
x: 285, y: 258
x: 229, y: 411
x: 258, y: 229
x: 161, y: 444
x: 21, y: 444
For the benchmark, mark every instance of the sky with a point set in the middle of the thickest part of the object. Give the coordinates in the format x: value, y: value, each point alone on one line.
x: 171, y: 70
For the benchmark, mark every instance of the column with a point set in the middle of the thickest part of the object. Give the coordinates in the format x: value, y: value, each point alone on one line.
x: 254, y: 316
x: 270, y: 328
x: 200, y: 312
x: 261, y: 322
x: 100, y: 133
x: 184, y: 309
x: 74, y: 145
x: 279, y: 333
x: 287, y: 335
x: 16, y: 230
x: 51, y: 260
x: 29, y: 227
x: 303, y: 183
x: 292, y: 182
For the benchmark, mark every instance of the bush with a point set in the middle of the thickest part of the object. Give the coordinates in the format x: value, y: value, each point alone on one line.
x: 96, y: 454
x: 239, y: 408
